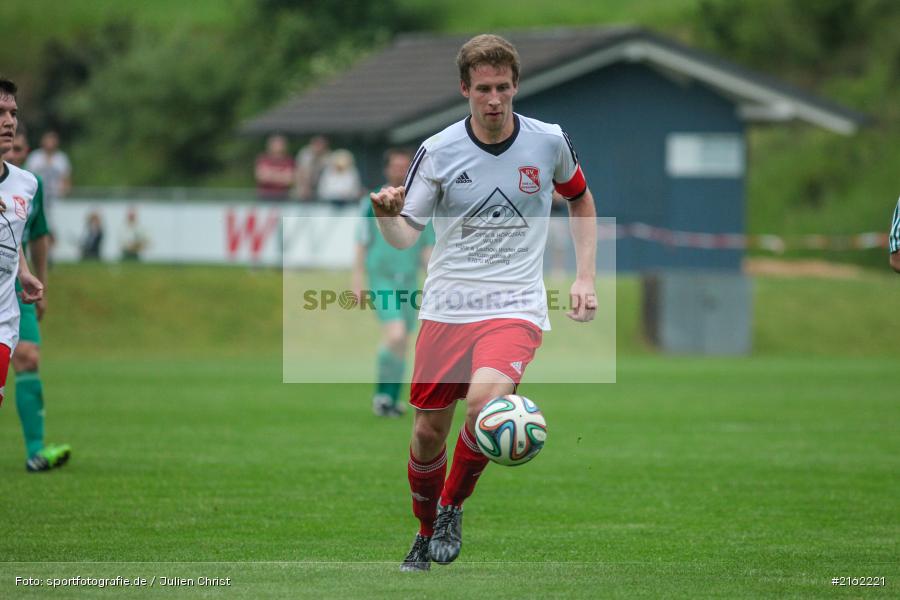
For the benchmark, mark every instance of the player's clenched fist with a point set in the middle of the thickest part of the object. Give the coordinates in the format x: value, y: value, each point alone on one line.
x: 389, y: 201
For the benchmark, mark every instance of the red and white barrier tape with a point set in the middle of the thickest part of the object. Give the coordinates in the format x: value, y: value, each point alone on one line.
x: 740, y: 241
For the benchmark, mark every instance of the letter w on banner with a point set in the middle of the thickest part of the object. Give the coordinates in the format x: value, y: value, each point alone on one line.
x: 252, y: 232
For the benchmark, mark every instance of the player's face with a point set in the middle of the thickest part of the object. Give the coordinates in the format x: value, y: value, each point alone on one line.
x: 395, y: 171
x: 490, y: 97
x: 277, y: 145
x: 9, y: 120
x: 19, y: 151
x: 50, y: 141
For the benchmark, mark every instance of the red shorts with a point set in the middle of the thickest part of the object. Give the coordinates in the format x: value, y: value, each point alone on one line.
x: 5, y: 352
x: 447, y: 354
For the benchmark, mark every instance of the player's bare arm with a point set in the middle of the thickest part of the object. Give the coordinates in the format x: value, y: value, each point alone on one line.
x: 358, y: 277
x: 895, y: 261
x: 387, y: 205
x: 32, y: 288
x: 39, y: 249
x: 583, y: 225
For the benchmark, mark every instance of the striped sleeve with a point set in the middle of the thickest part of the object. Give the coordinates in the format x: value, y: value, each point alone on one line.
x: 568, y: 179
x: 422, y: 190
x: 894, y: 235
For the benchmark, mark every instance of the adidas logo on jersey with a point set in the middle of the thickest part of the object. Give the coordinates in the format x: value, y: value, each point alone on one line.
x: 517, y: 366
x: 464, y: 178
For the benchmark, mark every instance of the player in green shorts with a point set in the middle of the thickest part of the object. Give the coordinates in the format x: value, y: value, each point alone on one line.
x: 27, y: 357
x: 391, y: 276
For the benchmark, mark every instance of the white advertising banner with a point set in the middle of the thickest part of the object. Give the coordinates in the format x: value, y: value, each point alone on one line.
x: 216, y: 233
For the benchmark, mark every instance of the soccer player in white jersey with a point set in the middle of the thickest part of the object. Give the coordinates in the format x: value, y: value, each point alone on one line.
x: 17, y: 190
x: 487, y: 182
x: 894, y: 239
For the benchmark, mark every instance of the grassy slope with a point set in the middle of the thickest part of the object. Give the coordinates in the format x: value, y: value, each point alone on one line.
x: 98, y: 310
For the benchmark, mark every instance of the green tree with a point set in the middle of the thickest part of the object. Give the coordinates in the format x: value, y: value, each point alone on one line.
x: 166, y: 110
x: 804, y: 180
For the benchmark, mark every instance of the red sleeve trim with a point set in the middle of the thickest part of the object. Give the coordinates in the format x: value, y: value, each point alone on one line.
x: 573, y: 188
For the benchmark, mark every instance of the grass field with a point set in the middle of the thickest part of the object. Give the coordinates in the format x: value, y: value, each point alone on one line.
x: 763, y: 476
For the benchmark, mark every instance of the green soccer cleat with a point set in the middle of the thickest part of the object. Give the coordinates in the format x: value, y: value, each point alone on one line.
x: 49, y: 457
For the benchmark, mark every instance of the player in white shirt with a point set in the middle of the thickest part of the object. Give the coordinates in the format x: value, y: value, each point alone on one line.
x: 52, y: 165
x: 487, y: 182
x: 17, y: 189
x: 894, y: 239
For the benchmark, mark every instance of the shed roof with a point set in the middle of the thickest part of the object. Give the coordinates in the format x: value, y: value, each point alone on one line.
x: 411, y: 88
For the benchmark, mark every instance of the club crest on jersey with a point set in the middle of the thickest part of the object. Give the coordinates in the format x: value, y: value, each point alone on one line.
x: 21, y: 206
x: 529, y: 179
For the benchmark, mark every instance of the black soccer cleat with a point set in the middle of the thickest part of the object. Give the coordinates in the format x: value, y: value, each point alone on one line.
x: 447, y: 539
x: 418, y: 558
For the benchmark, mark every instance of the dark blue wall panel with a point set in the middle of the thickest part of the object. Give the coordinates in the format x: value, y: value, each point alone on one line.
x: 618, y: 118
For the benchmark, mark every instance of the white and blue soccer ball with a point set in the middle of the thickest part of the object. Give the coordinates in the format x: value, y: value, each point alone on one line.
x: 510, y: 430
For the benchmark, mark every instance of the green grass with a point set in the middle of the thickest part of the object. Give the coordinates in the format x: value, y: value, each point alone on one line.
x: 827, y: 317
x: 729, y: 478
x: 139, y: 311
x: 755, y: 477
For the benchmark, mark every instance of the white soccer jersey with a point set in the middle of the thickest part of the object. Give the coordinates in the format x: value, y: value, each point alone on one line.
x: 491, y: 206
x: 17, y: 190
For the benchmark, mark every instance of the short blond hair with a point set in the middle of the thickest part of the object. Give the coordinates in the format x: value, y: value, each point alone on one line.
x: 487, y: 49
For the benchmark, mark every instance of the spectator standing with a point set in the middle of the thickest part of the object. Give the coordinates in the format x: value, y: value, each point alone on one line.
x: 274, y: 170
x: 93, y: 238
x: 339, y: 183
x: 53, y: 167
x: 310, y: 162
x: 134, y: 240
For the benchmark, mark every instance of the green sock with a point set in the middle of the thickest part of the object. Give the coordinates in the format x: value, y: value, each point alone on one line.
x: 390, y: 374
x: 30, y: 403
x: 393, y: 389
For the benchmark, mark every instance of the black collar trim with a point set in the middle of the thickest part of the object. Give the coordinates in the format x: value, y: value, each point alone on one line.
x: 5, y: 171
x: 498, y: 148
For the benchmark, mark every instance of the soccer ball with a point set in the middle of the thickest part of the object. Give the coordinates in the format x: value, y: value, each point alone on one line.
x: 510, y: 430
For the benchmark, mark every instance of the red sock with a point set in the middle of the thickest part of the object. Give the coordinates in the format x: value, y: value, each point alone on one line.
x: 5, y: 352
x: 468, y: 463
x: 425, y: 482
